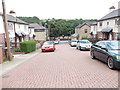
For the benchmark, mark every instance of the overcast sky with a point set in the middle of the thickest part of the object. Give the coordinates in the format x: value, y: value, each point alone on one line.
x: 61, y: 9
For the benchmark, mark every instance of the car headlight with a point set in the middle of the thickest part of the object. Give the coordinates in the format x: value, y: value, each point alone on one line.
x: 118, y: 57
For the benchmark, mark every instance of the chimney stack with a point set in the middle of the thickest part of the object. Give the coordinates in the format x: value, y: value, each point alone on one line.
x: 112, y: 8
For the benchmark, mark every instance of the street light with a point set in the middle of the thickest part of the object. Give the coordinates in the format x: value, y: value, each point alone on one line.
x: 48, y: 25
x: 9, y: 54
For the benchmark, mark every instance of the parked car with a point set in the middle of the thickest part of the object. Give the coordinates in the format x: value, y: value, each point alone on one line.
x: 48, y: 46
x: 57, y: 41
x: 83, y: 45
x: 73, y: 43
x: 108, y: 52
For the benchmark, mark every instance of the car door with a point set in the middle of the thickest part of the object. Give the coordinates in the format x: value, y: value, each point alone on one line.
x: 102, y: 53
x: 96, y: 48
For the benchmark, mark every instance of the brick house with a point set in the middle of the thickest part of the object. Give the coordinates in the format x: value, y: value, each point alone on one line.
x: 108, y: 26
x: 2, y: 38
x: 84, y: 30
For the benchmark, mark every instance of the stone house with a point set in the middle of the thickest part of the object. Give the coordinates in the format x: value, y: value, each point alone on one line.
x: 108, y: 26
x: 84, y: 30
x: 40, y: 32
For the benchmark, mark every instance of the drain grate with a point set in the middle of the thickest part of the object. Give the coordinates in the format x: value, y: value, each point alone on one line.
x: 5, y: 76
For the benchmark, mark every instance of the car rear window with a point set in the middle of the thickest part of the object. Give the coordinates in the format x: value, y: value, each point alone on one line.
x: 48, y: 43
x: 73, y: 40
x: 84, y: 42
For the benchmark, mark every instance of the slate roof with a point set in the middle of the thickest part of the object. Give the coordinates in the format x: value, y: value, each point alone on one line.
x: 14, y: 19
x: 113, y: 14
x: 36, y: 26
x: 87, y: 23
x: 75, y: 35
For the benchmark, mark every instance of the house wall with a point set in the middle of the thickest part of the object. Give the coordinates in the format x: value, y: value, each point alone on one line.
x: 111, y: 23
x: 2, y: 44
x: 1, y: 55
x: 40, y: 36
x: 22, y: 28
x: 2, y: 40
x: 81, y: 31
x: 94, y: 30
x: 1, y: 25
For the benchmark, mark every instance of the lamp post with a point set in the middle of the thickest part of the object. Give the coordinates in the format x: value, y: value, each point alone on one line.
x: 9, y: 54
x: 48, y: 25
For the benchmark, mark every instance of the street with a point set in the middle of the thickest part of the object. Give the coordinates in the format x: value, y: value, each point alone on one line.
x: 64, y: 68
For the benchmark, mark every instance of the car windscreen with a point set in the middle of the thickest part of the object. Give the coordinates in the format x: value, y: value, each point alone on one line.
x: 48, y: 43
x: 114, y: 45
x: 84, y: 42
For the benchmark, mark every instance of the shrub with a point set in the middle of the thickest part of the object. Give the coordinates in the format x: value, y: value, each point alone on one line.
x: 16, y: 50
x: 28, y: 46
x: 93, y: 40
x: 84, y: 37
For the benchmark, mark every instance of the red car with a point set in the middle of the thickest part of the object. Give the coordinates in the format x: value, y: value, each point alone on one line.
x: 48, y: 46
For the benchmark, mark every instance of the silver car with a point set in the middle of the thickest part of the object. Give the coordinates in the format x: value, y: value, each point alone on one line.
x: 83, y: 45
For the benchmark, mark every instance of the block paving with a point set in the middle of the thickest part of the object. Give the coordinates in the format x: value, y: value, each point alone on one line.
x: 64, y: 68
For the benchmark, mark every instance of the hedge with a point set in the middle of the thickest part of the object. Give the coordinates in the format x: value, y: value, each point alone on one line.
x: 28, y: 46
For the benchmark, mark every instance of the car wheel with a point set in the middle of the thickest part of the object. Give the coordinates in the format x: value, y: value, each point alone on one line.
x: 92, y: 55
x: 43, y: 51
x: 110, y: 63
x: 76, y: 47
x: 80, y: 49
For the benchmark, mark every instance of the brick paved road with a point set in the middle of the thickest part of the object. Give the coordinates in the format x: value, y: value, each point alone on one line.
x: 64, y: 68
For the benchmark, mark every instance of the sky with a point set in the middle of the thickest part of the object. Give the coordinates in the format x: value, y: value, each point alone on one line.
x: 61, y: 9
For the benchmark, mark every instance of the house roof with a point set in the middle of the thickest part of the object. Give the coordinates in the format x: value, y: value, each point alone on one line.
x: 113, y: 14
x: 86, y: 23
x: 14, y: 19
x: 36, y: 26
x: 75, y: 35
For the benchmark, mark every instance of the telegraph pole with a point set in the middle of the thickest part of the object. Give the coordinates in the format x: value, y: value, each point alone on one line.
x: 9, y: 54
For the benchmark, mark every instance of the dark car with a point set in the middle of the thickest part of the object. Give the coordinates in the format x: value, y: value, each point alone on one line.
x: 108, y: 52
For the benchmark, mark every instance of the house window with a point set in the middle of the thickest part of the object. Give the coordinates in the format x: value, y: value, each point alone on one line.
x: 25, y: 27
x: 19, y: 26
x: 100, y: 23
x: 117, y: 36
x: 107, y: 23
x: 10, y: 26
x: 85, y: 30
x: 116, y: 21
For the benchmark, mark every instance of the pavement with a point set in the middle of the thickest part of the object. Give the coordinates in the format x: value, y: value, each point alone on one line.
x: 18, y: 60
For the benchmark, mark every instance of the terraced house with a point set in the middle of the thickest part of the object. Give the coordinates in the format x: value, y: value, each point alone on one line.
x: 18, y: 30
x: 108, y: 26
